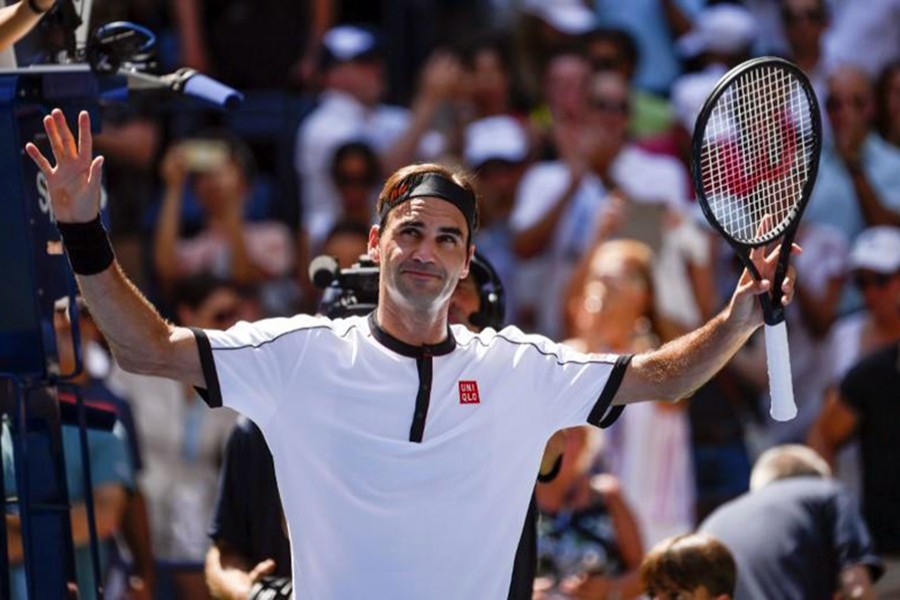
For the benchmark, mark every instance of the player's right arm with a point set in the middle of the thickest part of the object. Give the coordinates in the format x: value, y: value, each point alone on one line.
x: 141, y: 340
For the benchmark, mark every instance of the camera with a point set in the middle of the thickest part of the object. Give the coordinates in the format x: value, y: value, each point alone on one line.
x: 348, y: 292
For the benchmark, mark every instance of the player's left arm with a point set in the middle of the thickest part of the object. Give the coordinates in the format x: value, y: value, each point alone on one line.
x: 678, y: 368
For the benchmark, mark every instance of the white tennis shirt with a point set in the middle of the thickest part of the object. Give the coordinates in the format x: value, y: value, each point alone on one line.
x: 404, y: 471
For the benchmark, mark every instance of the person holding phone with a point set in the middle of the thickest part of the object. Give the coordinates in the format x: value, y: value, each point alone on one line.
x: 219, y: 171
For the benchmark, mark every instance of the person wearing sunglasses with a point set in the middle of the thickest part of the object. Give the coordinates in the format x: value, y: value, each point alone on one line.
x: 858, y: 183
x: 846, y: 433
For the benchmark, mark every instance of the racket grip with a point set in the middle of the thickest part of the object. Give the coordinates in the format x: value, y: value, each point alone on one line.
x: 781, y: 388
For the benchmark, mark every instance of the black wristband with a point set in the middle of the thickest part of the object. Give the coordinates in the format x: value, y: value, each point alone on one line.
x: 87, y: 245
x: 33, y: 5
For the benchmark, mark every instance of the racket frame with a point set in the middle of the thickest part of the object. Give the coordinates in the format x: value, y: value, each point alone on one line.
x: 773, y: 310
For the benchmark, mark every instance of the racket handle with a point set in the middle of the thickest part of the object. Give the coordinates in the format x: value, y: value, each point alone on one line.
x: 781, y: 388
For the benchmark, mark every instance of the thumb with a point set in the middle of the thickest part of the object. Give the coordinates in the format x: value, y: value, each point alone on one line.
x: 266, y: 567
x: 95, y: 178
x: 96, y: 172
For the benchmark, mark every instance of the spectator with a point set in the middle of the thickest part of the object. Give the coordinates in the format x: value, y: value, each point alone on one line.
x: 250, y: 549
x: 888, y: 99
x: 112, y: 478
x: 805, y: 23
x: 842, y: 432
x: 561, y: 114
x: 490, y: 77
x: 356, y: 174
x: 113, y: 481
x: 866, y: 408
x: 692, y: 565
x: 346, y: 242
x: 655, y: 25
x: 864, y: 34
x: 547, y: 28
x: 182, y: 463
x: 610, y: 49
x: 220, y: 171
x: 874, y: 269
x: 349, y: 109
x: 130, y: 568
x: 796, y: 534
x: 722, y: 36
x: 611, y: 300
x: 859, y: 176
x: 589, y: 541
x: 496, y: 149
x: 600, y: 158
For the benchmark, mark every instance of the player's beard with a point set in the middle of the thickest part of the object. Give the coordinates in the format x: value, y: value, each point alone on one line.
x: 425, y: 294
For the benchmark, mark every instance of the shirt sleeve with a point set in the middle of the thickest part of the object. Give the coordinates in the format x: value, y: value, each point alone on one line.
x: 541, y: 186
x: 573, y: 388
x: 247, y: 367
x: 853, y: 543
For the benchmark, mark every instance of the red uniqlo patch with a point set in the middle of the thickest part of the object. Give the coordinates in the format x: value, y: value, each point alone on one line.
x: 468, y: 392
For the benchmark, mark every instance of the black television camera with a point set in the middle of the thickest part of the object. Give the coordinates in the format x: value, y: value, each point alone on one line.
x: 352, y: 291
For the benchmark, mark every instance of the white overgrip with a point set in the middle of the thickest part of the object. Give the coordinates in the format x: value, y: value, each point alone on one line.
x: 781, y: 388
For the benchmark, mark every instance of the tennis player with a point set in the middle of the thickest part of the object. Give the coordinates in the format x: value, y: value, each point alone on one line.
x: 405, y: 448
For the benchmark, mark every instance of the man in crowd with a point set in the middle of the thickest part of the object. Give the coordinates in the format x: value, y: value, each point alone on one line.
x: 796, y: 533
x: 404, y: 447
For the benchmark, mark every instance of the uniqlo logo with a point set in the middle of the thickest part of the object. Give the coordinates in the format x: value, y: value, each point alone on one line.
x: 468, y: 392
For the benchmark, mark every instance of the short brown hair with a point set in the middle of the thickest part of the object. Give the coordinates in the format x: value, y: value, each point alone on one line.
x: 685, y: 562
x: 395, y: 186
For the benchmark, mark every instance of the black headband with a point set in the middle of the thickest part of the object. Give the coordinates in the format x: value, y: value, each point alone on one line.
x: 437, y: 186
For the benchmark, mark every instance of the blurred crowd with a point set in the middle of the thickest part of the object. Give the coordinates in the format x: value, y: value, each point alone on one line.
x: 576, y: 118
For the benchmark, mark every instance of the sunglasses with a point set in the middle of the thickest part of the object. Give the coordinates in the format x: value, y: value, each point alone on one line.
x: 225, y: 317
x: 812, y: 15
x: 866, y: 280
x: 608, y: 105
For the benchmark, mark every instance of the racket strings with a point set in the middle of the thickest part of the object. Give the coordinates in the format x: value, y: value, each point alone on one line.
x: 757, y: 150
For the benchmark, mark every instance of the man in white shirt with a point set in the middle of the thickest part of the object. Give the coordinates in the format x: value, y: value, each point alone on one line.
x: 405, y: 448
x: 350, y: 109
x: 559, y: 203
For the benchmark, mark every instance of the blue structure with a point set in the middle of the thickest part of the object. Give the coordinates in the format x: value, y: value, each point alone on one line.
x: 34, y: 276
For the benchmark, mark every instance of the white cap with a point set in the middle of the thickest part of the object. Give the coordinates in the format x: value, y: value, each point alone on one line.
x: 690, y: 91
x: 877, y: 249
x: 722, y: 28
x: 568, y: 16
x: 347, y: 42
x: 499, y: 137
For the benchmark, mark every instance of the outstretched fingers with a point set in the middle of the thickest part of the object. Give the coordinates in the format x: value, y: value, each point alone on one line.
x: 39, y: 159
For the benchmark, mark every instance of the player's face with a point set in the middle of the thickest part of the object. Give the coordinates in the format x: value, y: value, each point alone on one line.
x: 465, y: 301
x: 422, y: 253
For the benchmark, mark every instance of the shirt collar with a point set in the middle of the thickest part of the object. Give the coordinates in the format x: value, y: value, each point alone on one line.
x: 400, y: 347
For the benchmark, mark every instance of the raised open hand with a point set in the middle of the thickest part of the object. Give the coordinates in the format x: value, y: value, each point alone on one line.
x: 74, y: 182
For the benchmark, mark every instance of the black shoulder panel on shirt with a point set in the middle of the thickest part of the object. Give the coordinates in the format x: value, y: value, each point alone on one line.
x: 212, y: 395
x: 609, y: 392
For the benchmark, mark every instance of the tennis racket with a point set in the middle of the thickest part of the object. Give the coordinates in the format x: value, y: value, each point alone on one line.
x: 754, y: 159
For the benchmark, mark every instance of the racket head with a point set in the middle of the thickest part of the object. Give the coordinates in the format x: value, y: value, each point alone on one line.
x: 755, y: 151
